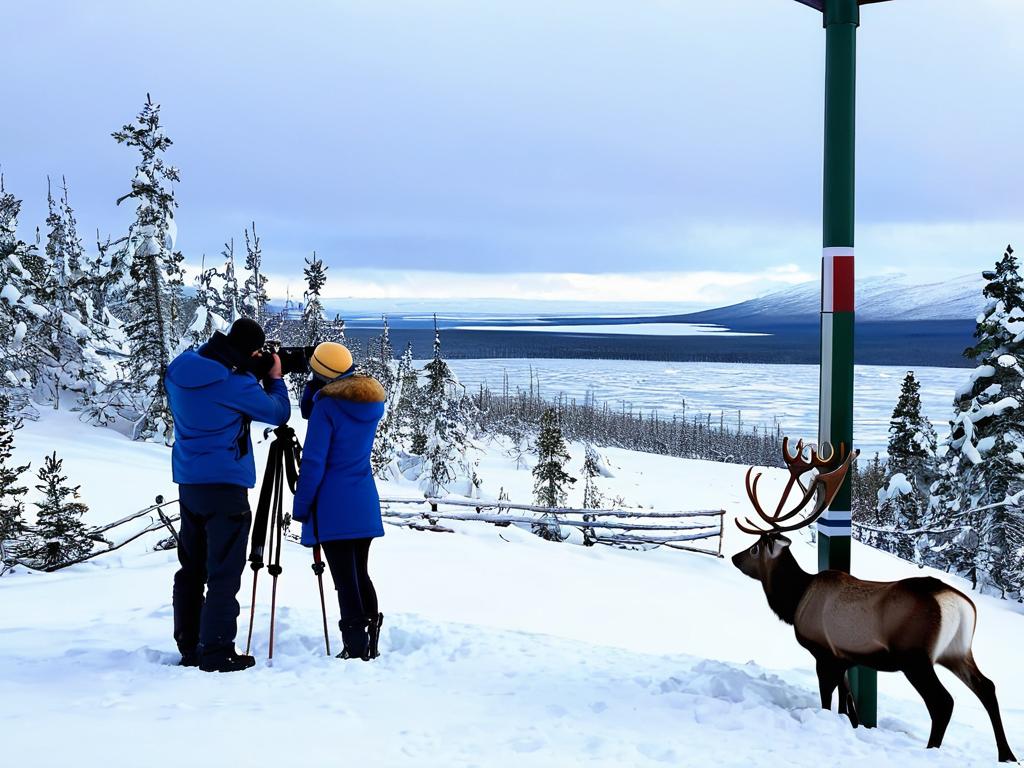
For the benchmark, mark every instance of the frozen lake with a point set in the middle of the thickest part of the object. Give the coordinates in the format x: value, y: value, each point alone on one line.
x: 761, y: 393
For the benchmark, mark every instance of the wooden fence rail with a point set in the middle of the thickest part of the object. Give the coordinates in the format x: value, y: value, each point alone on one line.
x: 588, y: 521
x: 502, y: 504
x: 615, y: 527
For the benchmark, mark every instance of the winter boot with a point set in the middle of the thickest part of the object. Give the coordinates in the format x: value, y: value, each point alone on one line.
x: 189, y: 658
x: 375, y: 623
x: 225, y: 660
x: 353, y: 635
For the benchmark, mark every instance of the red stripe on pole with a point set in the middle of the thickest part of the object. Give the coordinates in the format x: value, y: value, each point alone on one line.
x: 842, y: 284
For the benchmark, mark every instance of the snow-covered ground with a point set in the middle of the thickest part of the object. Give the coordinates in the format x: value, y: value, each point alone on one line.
x: 760, y: 393
x: 499, y: 648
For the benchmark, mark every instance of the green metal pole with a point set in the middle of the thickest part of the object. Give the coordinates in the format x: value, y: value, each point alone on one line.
x: 835, y: 424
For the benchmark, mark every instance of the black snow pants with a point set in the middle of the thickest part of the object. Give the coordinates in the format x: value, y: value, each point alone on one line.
x: 215, y: 522
x: 357, y: 598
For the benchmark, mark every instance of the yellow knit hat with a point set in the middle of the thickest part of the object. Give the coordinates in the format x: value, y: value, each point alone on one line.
x: 331, y: 360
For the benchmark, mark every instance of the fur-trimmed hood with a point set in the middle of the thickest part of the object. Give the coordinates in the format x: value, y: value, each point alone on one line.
x: 356, y: 389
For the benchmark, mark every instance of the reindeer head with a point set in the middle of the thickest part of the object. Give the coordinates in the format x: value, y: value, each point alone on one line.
x: 759, y: 560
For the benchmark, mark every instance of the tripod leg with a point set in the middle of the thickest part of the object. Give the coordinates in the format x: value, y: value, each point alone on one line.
x: 273, y: 610
x: 318, y: 569
x: 252, y: 611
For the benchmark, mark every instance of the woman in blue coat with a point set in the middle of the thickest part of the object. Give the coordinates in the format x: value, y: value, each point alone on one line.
x: 336, y: 500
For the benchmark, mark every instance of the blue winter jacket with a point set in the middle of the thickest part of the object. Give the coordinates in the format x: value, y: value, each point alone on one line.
x: 313, y: 386
x: 213, y: 406
x: 335, y: 479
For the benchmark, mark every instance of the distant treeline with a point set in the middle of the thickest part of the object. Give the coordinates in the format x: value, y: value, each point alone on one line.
x: 517, y: 414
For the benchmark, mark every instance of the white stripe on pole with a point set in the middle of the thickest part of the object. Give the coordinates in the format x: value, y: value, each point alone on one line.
x: 830, y: 531
x: 827, y: 284
x: 836, y: 514
x: 825, y: 391
x: 837, y: 251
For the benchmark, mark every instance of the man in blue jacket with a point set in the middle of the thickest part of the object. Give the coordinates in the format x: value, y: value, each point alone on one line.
x: 215, y: 393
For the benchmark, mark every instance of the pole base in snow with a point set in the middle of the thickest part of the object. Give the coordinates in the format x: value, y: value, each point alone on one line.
x: 864, y: 688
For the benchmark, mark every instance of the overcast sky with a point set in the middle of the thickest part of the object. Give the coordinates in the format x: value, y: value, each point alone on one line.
x: 587, y: 149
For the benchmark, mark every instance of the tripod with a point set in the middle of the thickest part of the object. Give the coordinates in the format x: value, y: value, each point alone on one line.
x: 283, y: 460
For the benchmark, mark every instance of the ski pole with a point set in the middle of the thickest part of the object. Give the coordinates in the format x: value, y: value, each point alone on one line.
x: 318, y: 569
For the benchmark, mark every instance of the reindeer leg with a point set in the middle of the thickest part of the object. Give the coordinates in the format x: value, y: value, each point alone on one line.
x: 828, y: 679
x: 847, y: 704
x: 967, y: 670
x: 921, y: 675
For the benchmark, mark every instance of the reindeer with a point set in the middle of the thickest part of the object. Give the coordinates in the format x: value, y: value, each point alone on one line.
x: 905, y: 626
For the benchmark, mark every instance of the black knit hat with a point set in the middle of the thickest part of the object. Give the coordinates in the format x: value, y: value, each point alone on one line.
x: 246, y: 335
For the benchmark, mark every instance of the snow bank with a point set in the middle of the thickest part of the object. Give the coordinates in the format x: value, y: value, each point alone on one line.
x: 499, y: 649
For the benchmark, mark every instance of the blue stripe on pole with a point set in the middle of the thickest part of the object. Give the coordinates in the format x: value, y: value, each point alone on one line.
x: 832, y: 528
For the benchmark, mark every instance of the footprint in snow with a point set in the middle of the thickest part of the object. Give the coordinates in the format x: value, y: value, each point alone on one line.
x: 405, y: 642
x: 658, y: 753
x: 526, y: 744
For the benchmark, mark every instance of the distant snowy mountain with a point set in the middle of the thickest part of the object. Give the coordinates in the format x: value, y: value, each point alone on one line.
x: 887, y: 297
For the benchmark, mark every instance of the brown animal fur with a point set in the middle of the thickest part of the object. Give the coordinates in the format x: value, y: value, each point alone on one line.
x: 358, y: 389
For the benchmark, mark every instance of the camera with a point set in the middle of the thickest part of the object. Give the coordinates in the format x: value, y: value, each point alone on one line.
x: 293, y: 359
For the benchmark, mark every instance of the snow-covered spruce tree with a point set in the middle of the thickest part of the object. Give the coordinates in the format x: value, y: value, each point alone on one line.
x: 592, y: 497
x: 230, y: 294
x: 384, y: 444
x: 21, y: 316
x: 446, y: 428
x: 13, y: 530
x: 102, y: 288
x: 208, y: 301
x: 410, y: 416
x: 313, y: 317
x: 70, y: 361
x: 867, y: 480
x: 100, y: 282
x: 388, y: 438
x: 35, y: 266
x: 336, y: 332
x: 254, y: 290
x: 314, y: 326
x: 982, y: 469
x: 380, y: 358
x: 903, y: 501
x: 59, y: 527
x: 550, y: 477
x: 386, y: 355
x: 156, y: 276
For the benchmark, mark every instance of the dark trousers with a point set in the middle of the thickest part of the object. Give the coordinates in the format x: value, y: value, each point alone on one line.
x: 348, y: 560
x: 215, y: 522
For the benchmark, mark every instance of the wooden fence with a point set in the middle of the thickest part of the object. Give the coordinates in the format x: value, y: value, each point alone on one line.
x: 638, y: 528
x: 630, y: 528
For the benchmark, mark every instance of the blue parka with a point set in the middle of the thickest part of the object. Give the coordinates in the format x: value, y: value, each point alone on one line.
x: 335, y: 479
x: 213, y: 406
x: 313, y: 386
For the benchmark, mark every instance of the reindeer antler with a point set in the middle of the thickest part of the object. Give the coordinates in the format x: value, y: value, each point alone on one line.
x: 825, y: 484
